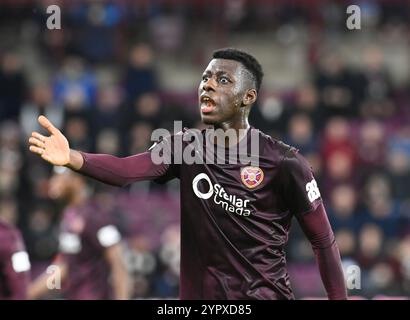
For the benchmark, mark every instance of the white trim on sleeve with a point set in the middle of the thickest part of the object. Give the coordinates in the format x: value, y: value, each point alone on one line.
x: 108, y: 236
x: 20, y: 261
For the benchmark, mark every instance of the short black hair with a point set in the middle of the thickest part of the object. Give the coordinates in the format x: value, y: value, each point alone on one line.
x: 249, y: 62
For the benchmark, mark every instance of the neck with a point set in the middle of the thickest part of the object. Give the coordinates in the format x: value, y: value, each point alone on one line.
x: 240, y: 127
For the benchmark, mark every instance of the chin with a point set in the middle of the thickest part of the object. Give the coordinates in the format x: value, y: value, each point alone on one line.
x: 209, y: 120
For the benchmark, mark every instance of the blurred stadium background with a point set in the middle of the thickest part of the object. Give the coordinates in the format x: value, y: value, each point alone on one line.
x: 119, y: 69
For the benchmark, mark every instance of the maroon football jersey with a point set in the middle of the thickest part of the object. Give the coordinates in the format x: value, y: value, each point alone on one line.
x: 235, y: 220
x: 86, y: 232
x: 235, y: 217
x: 14, y: 264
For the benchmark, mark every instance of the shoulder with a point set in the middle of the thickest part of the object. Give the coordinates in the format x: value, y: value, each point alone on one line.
x: 164, y: 137
x: 294, y: 161
x: 291, y: 162
x: 284, y: 153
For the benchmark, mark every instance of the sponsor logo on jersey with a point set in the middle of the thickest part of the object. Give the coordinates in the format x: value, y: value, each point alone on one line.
x: 230, y: 203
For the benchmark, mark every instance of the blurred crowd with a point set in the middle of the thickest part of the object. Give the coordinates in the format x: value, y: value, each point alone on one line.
x: 101, y: 79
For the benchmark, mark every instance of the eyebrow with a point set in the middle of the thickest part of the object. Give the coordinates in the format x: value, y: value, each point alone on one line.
x: 218, y: 73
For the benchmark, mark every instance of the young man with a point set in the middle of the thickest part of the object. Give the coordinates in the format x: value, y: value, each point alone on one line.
x: 235, y: 217
x: 90, y: 264
x: 14, y: 260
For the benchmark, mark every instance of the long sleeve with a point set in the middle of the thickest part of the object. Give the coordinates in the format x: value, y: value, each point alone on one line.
x: 121, y: 171
x: 317, y: 228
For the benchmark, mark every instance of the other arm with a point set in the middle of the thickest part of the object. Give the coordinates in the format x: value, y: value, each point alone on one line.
x: 304, y: 201
x: 119, y: 272
x: 106, y: 168
x: 317, y: 229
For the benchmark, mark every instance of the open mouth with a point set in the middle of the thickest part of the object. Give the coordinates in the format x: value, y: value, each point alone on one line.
x: 207, y: 104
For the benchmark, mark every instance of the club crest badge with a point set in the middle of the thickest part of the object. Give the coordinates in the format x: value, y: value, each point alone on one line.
x: 252, y: 176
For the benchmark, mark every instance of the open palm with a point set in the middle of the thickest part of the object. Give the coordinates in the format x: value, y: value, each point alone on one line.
x: 54, y: 148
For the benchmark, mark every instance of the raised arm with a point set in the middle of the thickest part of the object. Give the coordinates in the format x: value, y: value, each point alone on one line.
x: 105, y: 168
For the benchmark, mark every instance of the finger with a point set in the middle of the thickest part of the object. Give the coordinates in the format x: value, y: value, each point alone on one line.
x: 37, y: 150
x: 45, y: 123
x: 38, y: 136
x: 36, y: 142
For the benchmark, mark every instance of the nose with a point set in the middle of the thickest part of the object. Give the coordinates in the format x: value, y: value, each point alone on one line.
x: 208, y: 85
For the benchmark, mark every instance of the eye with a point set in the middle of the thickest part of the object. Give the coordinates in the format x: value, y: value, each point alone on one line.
x: 224, y: 80
x: 204, y: 78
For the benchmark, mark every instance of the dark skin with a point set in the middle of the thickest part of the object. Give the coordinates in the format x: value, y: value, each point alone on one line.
x: 230, y: 86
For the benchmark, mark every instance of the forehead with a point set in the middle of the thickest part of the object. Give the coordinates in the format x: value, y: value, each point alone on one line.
x: 224, y: 65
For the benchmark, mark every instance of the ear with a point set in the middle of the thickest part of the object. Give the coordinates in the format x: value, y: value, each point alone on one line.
x: 250, y: 97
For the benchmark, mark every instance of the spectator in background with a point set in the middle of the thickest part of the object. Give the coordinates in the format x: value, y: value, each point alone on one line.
x: 167, y: 28
x: 96, y: 38
x: 108, y: 140
x: 140, y: 137
x: 377, y: 86
x: 147, y: 108
x: 304, y: 100
x: 78, y: 129
x: 41, y: 102
x: 398, y: 155
x: 346, y: 240
x: 340, y: 90
x: 338, y: 153
x: 13, y: 86
x: 370, y: 249
x: 109, y: 111
x: 14, y: 260
x: 269, y: 114
x: 75, y: 85
x: 371, y: 147
x: 380, y: 208
x: 342, y: 209
x: 379, y: 270
x: 167, y: 282
x: 140, y: 76
x: 301, y: 134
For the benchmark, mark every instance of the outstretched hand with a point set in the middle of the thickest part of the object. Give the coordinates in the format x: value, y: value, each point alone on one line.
x: 54, y: 148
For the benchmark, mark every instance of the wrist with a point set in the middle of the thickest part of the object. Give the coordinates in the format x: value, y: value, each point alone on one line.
x: 75, y: 160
